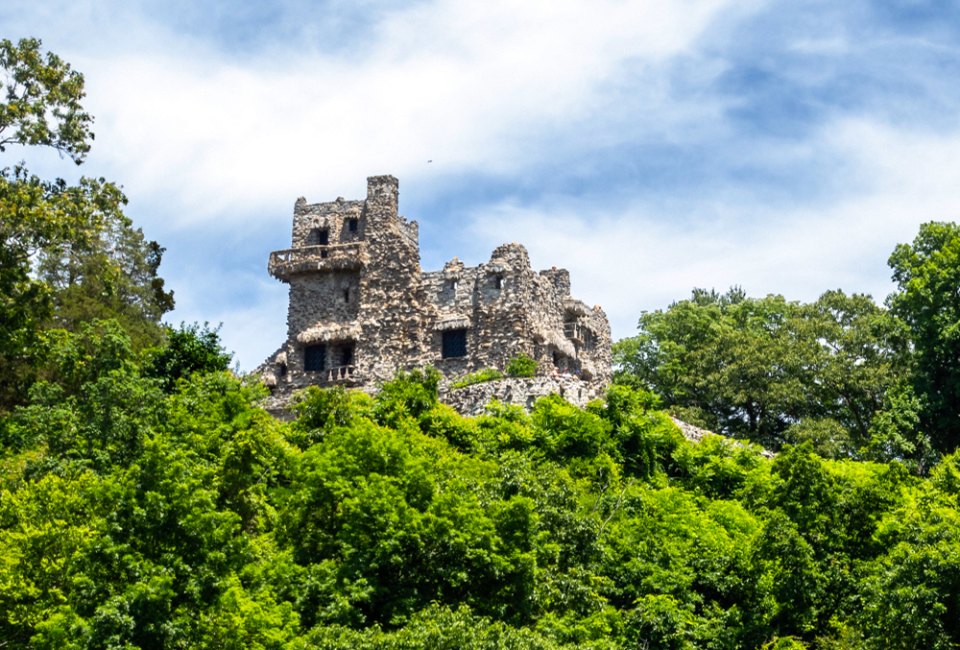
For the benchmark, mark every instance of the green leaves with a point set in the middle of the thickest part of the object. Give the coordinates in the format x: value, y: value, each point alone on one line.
x: 68, y: 254
x: 521, y: 366
x: 927, y: 273
x: 596, y: 528
x: 759, y: 367
x: 41, y: 100
x: 186, y: 350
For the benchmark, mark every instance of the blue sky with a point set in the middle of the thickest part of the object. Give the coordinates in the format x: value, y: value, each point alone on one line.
x: 649, y: 147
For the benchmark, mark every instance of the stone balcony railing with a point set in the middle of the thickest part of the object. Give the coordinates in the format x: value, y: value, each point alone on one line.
x: 338, y: 375
x: 581, y: 333
x: 286, y: 263
x: 573, y: 331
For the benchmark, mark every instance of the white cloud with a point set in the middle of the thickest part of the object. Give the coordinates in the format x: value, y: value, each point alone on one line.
x: 639, y: 260
x: 470, y: 85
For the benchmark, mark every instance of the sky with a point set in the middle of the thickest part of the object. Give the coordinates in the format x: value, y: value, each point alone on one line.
x: 649, y: 147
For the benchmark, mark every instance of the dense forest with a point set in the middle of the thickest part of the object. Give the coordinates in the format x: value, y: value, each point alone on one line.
x: 147, y: 500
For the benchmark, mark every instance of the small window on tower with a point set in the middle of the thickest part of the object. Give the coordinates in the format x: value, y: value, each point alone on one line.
x: 346, y: 355
x: 498, y: 282
x: 454, y: 344
x: 319, y: 237
x: 353, y: 224
x: 314, y: 358
x: 346, y: 295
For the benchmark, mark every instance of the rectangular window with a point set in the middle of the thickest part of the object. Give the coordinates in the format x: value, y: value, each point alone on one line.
x: 314, y: 358
x: 454, y: 344
x: 353, y: 225
x: 318, y: 237
x: 346, y: 355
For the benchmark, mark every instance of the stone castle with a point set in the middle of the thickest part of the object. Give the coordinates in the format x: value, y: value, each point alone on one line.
x: 361, y: 308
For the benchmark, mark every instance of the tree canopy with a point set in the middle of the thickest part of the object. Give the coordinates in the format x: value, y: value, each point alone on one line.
x: 927, y: 273
x: 134, y: 515
x: 772, y: 370
x: 68, y: 254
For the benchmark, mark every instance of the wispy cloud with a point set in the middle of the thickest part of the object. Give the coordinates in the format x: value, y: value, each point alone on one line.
x: 641, y: 258
x: 469, y: 85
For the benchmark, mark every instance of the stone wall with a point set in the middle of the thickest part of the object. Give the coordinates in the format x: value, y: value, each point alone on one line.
x: 524, y: 392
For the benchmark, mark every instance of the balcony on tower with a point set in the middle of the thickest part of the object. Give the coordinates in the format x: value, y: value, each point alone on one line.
x: 309, y: 259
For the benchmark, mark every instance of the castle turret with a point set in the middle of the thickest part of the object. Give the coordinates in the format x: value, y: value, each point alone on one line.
x: 323, y: 268
x: 347, y: 260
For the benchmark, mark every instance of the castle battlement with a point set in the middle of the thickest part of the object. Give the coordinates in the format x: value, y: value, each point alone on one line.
x: 361, y: 308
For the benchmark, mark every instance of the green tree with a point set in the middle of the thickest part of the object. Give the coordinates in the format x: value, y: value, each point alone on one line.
x: 42, y: 100
x: 863, y: 351
x: 734, y: 361
x: 67, y: 252
x: 108, y: 271
x: 186, y: 350
x: 927, y: 273
x: 758, y: 367
x: 910, y: 595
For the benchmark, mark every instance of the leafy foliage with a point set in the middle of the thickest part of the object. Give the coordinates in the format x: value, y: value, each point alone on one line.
x: 478, y: 377
x: 41, y: 102
x: 927, y: 273
x: 68, y: 254
x: 191, y: 517
x: 189, y: 349
x: 521, y: 366
x: 771, y: 370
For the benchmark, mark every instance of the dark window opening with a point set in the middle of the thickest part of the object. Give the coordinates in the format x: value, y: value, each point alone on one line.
x: 498, y: 282
x: 353, y: 225
x: 314, y: 358
x: 346, y: 295
x: 282, y: 370
x: 453, y: 286
x: 454, y: 344
x: 556, y: 358
x: 319, y: 237
x: 346, y: 355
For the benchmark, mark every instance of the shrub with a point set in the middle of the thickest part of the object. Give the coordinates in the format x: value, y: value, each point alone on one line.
x: 522, y: 366
x: 478, y: 377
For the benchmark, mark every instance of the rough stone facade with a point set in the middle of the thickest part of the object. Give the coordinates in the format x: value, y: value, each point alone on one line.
x: 519, y: 391
x: 361, y: 308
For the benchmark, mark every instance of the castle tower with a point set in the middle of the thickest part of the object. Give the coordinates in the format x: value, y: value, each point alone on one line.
x: 347, y: 260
